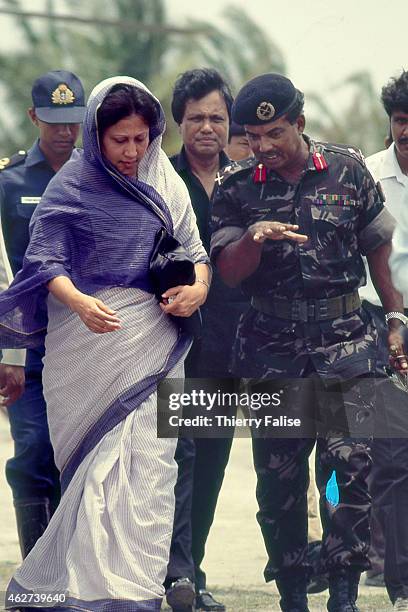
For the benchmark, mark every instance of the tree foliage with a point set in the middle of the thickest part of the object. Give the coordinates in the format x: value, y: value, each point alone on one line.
x: 236, y: 46
x: 362, y: 121
x: 95, y: 53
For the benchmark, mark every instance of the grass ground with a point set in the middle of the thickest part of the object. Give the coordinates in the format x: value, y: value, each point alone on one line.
x: 255, y: 599
x: 235, y: 555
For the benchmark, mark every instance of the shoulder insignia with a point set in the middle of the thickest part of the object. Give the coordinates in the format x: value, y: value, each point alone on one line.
x: 14, y: 160
x: 233, y: 168
x: 345, y: 149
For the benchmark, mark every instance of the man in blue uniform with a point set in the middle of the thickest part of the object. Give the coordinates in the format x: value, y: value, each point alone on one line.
x: 305, y: 332
x: 58, y: 110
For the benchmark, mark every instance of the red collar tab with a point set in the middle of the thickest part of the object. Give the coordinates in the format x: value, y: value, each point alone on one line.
x: 319, y: 162
x: 260, y: 174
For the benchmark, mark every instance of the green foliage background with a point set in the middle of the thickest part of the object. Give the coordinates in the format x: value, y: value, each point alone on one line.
x: 240, y: 49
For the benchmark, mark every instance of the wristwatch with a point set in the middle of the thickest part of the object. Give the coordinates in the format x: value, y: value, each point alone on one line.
x: 396, y: 315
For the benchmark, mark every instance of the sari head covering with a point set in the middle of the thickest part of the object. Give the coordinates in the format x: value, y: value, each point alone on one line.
x: 93, y: 226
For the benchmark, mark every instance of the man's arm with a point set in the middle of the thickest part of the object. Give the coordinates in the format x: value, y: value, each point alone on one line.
x: 390, y: 298
x: 241, y: 258
x: 380, y: 273
x: 12, y: 362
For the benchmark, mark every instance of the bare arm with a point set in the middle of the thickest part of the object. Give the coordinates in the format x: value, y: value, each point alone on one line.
x: 391, y: 300
x: 241, y: 258
x: 98, y: 317
x: 380, y: 273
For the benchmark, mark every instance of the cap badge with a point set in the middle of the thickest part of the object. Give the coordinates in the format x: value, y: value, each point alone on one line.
x: 62, y: 95
x: 265, y: 111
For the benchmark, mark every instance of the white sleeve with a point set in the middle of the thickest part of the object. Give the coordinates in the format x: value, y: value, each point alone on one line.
x: 9, y: 356
x: 399, y: 256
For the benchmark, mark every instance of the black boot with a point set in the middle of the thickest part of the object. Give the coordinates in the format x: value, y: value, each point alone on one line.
x: 293, y: 593
x: 33, y: 516
x: 354, y: 582
x: 343, y: 589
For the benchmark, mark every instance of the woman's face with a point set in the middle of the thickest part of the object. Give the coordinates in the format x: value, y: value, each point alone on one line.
x: 125, y: 143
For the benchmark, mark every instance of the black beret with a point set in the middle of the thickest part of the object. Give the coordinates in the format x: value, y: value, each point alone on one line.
x: 264, y: 99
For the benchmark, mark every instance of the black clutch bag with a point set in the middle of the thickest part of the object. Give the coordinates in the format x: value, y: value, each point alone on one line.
x: 170, y: 266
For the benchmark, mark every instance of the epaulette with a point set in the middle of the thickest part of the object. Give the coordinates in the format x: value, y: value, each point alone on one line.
x: 233, y: 168
x: 14, y: 160
x: 345, y: 149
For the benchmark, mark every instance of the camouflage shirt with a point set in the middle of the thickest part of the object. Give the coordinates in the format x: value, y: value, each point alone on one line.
x: 336, y: 203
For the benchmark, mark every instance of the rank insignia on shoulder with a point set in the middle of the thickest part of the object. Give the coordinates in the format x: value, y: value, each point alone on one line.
x: 345, y: 149
x: 260, y: 174
x: 357, y: 153
x: 233, y: 168
x: 9, y: 162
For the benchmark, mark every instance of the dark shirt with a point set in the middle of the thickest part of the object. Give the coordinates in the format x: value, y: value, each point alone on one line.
x: 21, y: 187
x: 224, y: 305
x: 199, y: 198
x: 22, y: 184
x: 339, y: 208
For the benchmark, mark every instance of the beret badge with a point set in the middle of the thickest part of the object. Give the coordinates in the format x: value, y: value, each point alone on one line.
x: 62, y: 95
x: 265, y: 111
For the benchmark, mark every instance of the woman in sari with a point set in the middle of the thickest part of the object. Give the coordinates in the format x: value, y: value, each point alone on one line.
x: 108, y: 344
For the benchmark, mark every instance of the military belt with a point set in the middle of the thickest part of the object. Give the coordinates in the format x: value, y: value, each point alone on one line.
x: 308, y: 310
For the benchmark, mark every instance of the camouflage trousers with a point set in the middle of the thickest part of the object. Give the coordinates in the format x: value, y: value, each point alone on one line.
x: 281, y: 465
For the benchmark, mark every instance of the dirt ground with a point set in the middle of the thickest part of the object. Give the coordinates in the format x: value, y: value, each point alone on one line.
x: 235, y: 553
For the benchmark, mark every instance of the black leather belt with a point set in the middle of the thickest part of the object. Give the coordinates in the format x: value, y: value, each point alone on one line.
x: 308, y: 310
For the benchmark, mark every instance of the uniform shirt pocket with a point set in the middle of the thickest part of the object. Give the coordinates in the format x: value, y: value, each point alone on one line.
x: 27, y: 205
x: 334, y: 230
x: 334, y: 214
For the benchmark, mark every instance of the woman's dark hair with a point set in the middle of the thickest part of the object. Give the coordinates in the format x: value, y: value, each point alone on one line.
x: 194, y: 85
x: 123, y: 101
x: 394, y: 95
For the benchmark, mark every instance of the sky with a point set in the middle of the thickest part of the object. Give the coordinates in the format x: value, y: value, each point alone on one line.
x: 323, y: 41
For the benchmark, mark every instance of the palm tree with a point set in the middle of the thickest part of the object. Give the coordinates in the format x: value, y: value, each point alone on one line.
x: 362, y: 122
x: 154, y: 57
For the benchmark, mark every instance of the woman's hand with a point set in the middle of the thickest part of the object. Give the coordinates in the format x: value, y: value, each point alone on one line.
x: 183, y: 300
x: 98, y: 317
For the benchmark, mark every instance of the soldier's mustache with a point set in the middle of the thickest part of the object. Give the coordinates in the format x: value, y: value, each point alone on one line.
x: 402, y: 140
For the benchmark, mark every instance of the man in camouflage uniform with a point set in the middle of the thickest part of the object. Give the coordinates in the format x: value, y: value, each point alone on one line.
x: 305, y: 326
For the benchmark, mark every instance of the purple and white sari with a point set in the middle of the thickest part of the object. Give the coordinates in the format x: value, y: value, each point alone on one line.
x: 106, y: 547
